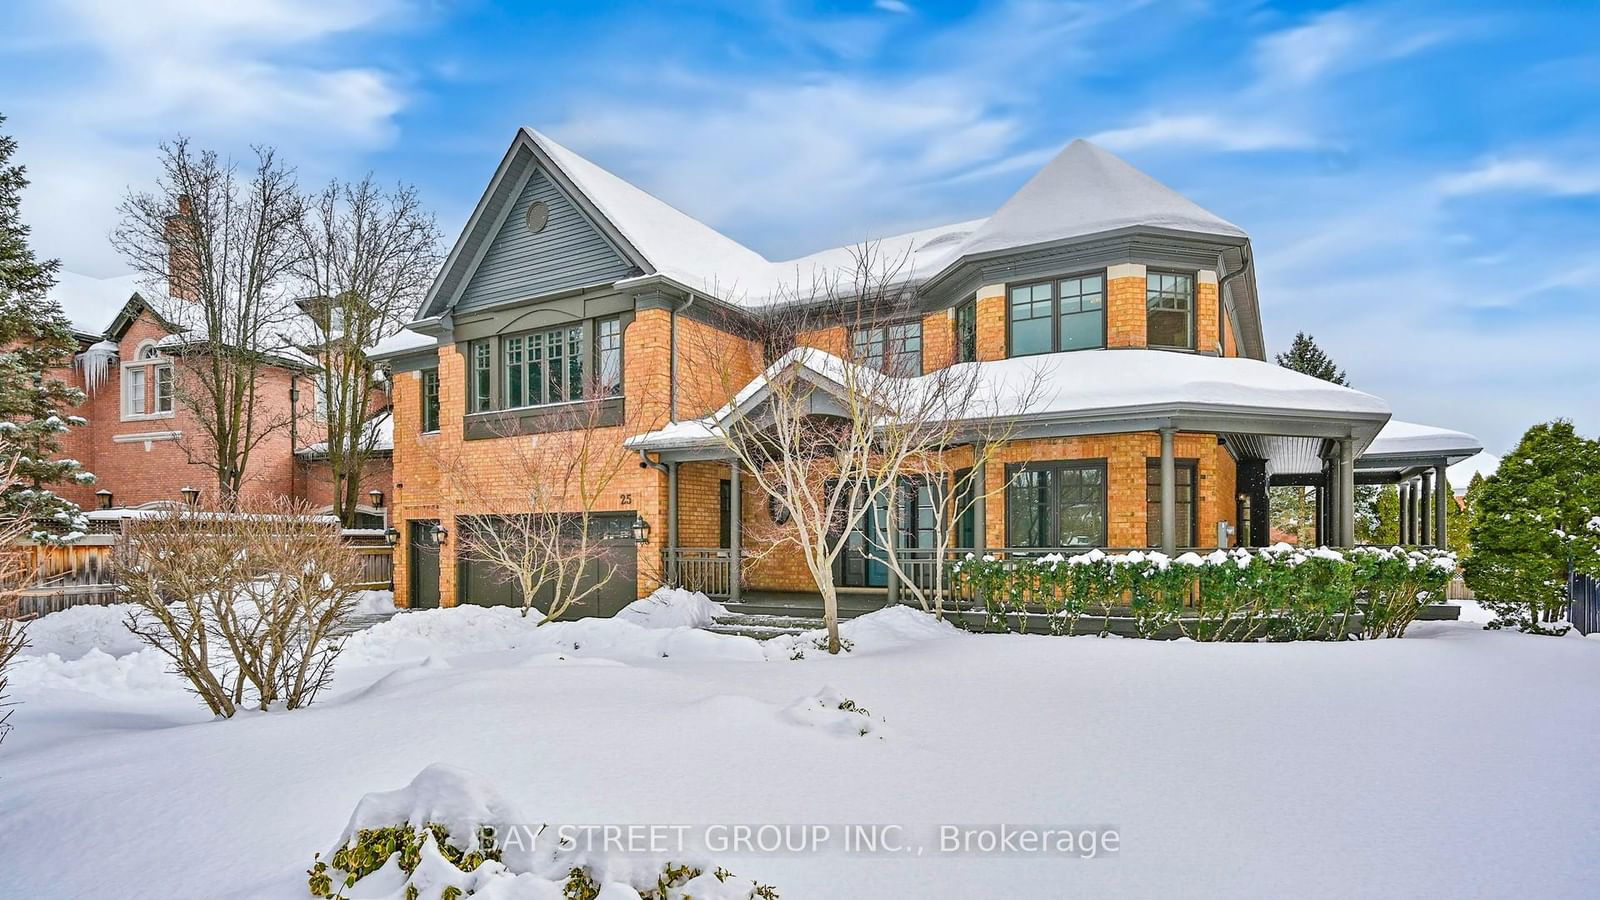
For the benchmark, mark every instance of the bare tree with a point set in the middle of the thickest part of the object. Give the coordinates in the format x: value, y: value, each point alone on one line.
x: 223, y: 242
x: 366, y: 259
x: 543, y: 536
x: 246, y: 603
x: 839, y: 428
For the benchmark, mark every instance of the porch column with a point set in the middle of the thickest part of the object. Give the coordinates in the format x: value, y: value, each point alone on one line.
x: 1169, y: 495
x: 1441, y: 508
x: 672, y: 525
x: 1347, y: 493
x: 980, y: 511
x: 1425, y: 509
x: 735, y: 531
x: 1411, y: 511
x: 892, y: 520
x: 1405, y: 513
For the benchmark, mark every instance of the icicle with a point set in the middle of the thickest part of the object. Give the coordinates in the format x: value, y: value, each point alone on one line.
x: 95, y: 364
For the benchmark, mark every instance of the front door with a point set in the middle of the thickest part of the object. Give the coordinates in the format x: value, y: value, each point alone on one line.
x: 424, y: 564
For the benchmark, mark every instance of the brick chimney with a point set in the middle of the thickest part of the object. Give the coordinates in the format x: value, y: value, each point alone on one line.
x: 183, y: 270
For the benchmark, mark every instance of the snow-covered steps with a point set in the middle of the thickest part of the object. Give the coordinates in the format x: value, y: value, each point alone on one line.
x: 763, y: 625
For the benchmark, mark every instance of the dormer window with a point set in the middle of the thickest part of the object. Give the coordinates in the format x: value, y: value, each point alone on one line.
x: 1169, y: 303
x: 147, y: 384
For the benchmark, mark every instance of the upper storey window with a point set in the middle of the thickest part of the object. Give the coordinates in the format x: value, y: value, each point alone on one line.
x: 1169, y: 304
x: 967, y: 332
x: 147, y: 386
x: 552, y: 365
x: 894, y: 349
x: 1060, y: 314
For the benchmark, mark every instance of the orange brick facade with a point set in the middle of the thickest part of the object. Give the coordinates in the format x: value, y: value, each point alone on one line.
x: 712, y: 365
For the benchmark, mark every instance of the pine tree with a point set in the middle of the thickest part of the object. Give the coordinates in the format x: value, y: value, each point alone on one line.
x: 1462, y: 515
x: 1532, y: 523
x: 33, y: 405
x: 1306, y: 357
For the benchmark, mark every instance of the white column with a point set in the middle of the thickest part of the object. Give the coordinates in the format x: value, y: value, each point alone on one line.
x: 1169, y: 495
x: 735, y: 531
x: 1347, y: 493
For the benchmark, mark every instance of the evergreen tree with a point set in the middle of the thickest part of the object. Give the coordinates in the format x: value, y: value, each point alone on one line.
x: 1384, y: 526
x: 33, y: 405
x: 1306, y: 357
x: 1462, y: 515
x: 1533, y: 522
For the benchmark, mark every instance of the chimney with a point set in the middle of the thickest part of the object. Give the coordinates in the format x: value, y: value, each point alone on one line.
x: 183, y: 270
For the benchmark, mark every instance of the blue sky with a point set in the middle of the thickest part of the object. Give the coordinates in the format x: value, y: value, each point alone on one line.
x: 1421, y: 180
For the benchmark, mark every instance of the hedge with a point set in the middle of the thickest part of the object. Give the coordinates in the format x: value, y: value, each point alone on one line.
x: 1277, y: 593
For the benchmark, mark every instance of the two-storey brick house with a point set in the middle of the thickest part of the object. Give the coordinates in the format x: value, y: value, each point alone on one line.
x: 1162, y: 423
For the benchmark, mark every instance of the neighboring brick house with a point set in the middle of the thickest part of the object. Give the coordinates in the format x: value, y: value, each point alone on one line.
x: 140, y: 442
x: 1163, y: 421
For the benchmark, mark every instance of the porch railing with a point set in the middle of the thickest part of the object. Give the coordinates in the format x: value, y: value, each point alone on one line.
x: 708, y: 570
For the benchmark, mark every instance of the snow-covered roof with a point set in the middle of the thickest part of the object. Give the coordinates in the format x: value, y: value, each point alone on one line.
x: 1085, y: 190
x: 1085, y: 384
x: 91, y: 304
x: 1481, y: 463
x: 403, y: 341
x: 380, y: 430
x: 1411, y: 439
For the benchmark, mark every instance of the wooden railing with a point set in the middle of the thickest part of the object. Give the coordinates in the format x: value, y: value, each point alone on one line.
x: 708, y: 570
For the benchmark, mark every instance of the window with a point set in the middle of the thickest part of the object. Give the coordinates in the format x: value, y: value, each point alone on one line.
x: 966, y: 532
x: 147, y: 384
x: 319, y: 397
x: 967, y: 332
x: 1169, y: 301
x: 542, y: 367
x: 608, y: 356
x: 894, y: 349
x: 1184, y: 478
x: 481, y: 384
x: 1057, y: 504
x: 725, y: 513
x: 1061, y: 314
x: 430, y: 400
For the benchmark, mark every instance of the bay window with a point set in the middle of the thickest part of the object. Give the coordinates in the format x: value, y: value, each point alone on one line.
x: 1169, y: 303
x: 1059, y: 314
x: 430, y: 400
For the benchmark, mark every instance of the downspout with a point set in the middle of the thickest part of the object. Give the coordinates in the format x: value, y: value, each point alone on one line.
x: 672, y: 360
x: 1222, y: 288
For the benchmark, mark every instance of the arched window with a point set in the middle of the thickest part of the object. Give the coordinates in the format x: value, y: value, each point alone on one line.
x: 147, y: 388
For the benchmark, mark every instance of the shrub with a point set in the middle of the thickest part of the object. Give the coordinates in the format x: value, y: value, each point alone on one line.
x: 246, y: 605
x: 1395, y: 584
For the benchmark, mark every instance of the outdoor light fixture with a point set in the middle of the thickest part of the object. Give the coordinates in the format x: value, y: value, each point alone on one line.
x: 104, y: 497
x: 377, y: 498
x: 641, y: 530
x: 439, y: 534
x: 191, y: 496
x: 391, y: 536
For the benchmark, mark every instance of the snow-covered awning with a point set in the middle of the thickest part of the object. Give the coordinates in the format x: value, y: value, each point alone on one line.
x: 1093, y: 392
x: 1402, y: 445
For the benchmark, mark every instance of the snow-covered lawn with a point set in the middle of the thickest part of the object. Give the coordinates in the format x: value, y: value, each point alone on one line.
x: 1455, y: 762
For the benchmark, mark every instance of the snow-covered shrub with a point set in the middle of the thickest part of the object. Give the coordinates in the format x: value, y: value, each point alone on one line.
x: 246, y: 605
x: 12, y: 640
x: 406, y: 845
x: 833, y: 712
x: 1396, y: 583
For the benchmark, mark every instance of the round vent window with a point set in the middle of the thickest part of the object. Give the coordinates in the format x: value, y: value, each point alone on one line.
x: 538, y: 217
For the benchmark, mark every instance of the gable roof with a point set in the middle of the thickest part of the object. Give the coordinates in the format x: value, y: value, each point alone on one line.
x: 1084, y: 190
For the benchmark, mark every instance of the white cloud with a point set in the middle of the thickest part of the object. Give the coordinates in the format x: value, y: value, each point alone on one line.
x: 894, y: 6
x: 1523, y: 174
x: 228, y: 74
x: 1202, y: 130
x: 1342, y: 40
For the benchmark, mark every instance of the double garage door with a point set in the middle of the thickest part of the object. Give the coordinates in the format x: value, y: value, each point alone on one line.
x: 481, y: 584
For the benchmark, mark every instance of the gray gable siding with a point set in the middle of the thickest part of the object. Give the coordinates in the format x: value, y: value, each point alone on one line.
x: 570, y: 252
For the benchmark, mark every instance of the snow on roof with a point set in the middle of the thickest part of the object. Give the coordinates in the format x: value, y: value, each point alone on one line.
x: 403, y: 341
x: 1086, y: 190
x: 1481, y: 463
x: 380, y: 430
x: 1085, y: 384
x: 1083, y: 191
x: 90, y: 303
x: 1411, y: 439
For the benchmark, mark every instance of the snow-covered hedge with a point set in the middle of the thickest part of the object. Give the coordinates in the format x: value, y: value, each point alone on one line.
x: 1274, y: 593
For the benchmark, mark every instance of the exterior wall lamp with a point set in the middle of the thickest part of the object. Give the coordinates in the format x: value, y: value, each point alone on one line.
x: 391, y: 536
x: 191, y: 496
x: 377, y: 498
x: 440, y: 535
x: 641, y: 530
x: 104, y: 496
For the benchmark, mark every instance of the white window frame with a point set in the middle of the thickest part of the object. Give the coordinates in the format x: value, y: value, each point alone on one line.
x: 147, y: 364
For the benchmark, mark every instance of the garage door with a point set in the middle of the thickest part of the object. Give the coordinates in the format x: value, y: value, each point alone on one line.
x: 482, y: 584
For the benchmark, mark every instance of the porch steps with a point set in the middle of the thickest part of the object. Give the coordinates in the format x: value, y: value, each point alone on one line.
x: 763, y: 625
